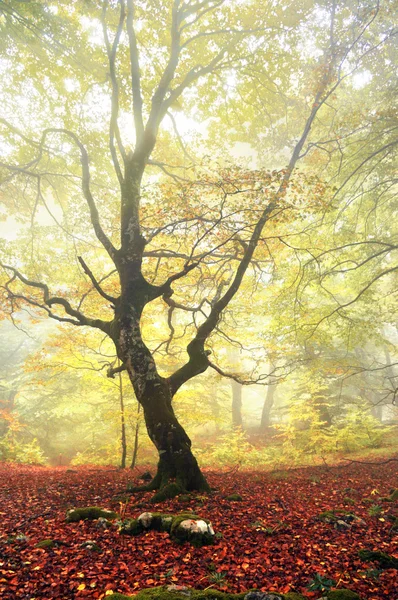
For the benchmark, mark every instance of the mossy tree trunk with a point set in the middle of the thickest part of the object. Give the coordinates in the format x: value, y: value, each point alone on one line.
x: 177, y: 464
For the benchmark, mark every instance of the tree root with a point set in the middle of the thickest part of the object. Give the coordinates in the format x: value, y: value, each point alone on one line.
x: 153, y: 485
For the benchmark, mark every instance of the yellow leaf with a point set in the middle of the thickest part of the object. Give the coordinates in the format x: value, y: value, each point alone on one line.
x: 81, y: 586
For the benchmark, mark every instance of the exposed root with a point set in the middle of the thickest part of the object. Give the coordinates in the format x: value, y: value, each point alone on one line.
x: 174, y: 478
x: 153, y: 485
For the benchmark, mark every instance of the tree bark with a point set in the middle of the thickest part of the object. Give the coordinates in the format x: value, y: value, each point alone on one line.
x: 178, y: 469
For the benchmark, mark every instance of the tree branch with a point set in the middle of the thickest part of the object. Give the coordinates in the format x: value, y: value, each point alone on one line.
x: 95, y: 282
x: 111, y: 52
x: 135, y: 74
x: 99, y: 232
x: 49, y: 301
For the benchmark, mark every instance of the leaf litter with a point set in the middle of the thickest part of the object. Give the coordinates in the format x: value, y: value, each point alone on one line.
x: 273, y: 539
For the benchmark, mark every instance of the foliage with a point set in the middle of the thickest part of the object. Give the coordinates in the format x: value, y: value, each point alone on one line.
x: 11, y: 449
x: 320, y: 583
x: 232, y: 448
x: 306, y: 433
x: 300, y: 237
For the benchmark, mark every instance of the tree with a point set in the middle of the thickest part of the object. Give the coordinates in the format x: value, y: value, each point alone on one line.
x: 203, y: 226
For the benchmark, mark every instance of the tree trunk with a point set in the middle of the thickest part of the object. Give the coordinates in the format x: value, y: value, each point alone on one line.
x: 236, y: 404
x: 268, y: 403
x: 178, y: 469
x: 136, y: 432
x: 123, y: 422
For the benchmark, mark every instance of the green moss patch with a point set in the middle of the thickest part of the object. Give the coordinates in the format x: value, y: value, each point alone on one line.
x: 169, y: 491
x: 163, y: 593
x: 328, y: 516
x: 184, y: 498
x: 393, y: 497
x: 342, y: 594
x: 384, y: 560
x: 348, y: 500
x: 89, y: 513
x: 235, y: 497
x: 46, y: 544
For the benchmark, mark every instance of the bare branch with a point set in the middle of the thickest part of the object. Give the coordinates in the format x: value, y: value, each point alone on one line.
x: 49, y: 301
x: 101, y: 235
x: 135, y: 74
x: 95, y: 282
x: 111, y: 52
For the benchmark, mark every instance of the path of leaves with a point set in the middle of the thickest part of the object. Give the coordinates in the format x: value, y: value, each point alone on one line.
x: 33, y: 502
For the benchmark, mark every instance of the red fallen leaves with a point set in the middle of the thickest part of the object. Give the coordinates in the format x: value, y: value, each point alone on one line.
x: 34, y: 500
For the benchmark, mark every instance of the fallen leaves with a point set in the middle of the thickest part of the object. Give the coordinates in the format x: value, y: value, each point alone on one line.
x: 283, y: 553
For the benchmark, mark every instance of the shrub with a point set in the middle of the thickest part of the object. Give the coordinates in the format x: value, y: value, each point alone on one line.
x: 12, y: 449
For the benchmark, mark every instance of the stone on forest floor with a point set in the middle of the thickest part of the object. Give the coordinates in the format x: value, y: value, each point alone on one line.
x: 185, y: 527
x: 341, y: 519
x: 198, y: 532
x: 341, y: 525
x: 103, y: 523
x: 384, y: 560
x: 181, y: 593
x: 89, y: 513
x: 90, y: 545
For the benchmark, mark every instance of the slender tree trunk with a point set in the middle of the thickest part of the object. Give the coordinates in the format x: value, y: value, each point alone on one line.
x: 392, y: 380
x: 123, y: 422
x: 268, y: 403
x: 136, y: 433
x: 236, y: 404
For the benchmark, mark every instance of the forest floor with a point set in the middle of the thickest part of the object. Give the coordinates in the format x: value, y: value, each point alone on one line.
x: 272, y: 539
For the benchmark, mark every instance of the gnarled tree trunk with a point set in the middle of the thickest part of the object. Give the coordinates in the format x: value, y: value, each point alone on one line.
x: 178, y: 469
